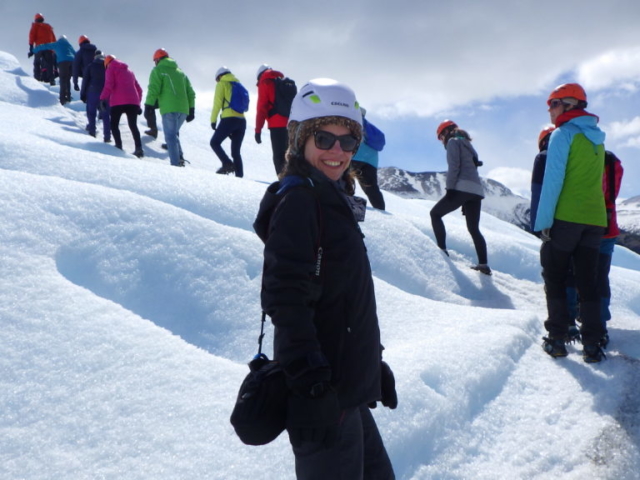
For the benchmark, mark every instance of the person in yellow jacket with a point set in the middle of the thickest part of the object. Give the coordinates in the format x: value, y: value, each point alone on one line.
x: 230, y: 101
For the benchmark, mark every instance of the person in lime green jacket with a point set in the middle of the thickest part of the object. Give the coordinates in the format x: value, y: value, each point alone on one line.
x: 230, y: 101
x: 170, y: 89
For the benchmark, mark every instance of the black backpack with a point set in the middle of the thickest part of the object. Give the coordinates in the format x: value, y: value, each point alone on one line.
x: 285, y: 90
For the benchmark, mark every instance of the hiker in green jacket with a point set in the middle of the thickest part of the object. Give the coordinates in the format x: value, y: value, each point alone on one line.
x: 170, y: 89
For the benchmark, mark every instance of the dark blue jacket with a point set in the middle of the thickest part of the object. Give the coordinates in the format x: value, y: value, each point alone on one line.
x: 537, y: 177
x: 83, y: 58
x: 93, y: 78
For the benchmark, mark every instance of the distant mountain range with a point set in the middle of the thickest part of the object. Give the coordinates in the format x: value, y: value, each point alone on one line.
x: 499, y: 200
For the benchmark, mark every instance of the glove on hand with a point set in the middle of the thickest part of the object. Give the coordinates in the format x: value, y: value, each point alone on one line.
x: 313, y: 419
x: 192, y: 115
x: 387, y: 387
x: 258, y: 137
x: 83, y: 98
x: 76, y: 87
x: 104, y: 105
x: 139, y: 110
x: 545, y: 235
x: 213, y: 125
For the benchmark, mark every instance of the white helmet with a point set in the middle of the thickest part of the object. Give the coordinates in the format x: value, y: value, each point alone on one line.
x: 221, y: 71
x: 323, y: 97
x: 261, y: 69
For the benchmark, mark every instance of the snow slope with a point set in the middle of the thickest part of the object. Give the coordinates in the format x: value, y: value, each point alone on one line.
x: 129, y: 306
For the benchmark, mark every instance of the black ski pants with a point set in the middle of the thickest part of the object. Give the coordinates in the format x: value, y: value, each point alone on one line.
x: 367, y: 176
x: 471, y: 206
x: 131, y: 111
x: 279, y: 143
x: 580, y: 243
x: 358, y: 454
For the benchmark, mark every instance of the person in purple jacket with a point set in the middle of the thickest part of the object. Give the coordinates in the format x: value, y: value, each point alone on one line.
x: 92, y: 84
x: 123, y: 94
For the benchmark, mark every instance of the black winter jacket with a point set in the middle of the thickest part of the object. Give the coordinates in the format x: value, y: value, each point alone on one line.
x: 336, y: 316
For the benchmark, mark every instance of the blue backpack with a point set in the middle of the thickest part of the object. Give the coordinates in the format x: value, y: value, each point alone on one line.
x: 239, y: 98
x: 373, y: 136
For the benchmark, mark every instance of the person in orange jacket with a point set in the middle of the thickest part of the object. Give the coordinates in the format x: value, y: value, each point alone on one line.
x: 43, y: 62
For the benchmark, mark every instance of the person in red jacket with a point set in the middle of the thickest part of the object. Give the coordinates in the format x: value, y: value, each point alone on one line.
x: 277, y: 123
x: 43, y: 62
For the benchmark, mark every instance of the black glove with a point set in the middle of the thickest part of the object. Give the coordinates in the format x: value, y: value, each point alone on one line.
x: 76, y: 87
x: 192, y: 115
x: 545, y: 235
x: 387, y: 387
x: 258, y: 138
x: 104, y: 105
x: 213, y: 125
x: 83, y: 98
x: 313, y: 419
x: 139, y: 110
x: 30, y: 54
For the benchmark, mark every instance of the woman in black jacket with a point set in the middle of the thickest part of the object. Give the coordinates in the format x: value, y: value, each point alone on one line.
x: 318, y: 291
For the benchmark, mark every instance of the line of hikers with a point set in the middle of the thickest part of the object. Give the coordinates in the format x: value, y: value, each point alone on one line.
x: 111, y: 90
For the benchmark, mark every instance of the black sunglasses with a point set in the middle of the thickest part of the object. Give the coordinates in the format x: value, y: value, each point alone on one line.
x: 555, y: 103
x: 326, y: 140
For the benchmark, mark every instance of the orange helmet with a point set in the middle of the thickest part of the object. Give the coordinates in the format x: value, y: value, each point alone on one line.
x: 544, y: 134
x: 443, y: 126
x: 565, y: 90
x: 82, y: 39
x: 108, y: 59
x: 38, y: 17
x: 160, y: 53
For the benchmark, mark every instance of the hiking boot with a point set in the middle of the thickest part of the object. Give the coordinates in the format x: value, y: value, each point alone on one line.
x: 573, y: 334
x: 226, y: 169
x: 593, y: 354
x: 554, y: 347
x: 138, y: 153
x: 482, y: 268
x: 152, y: 132
x: 164, y: 146
x: 107, y: 140
x: 444, y: 250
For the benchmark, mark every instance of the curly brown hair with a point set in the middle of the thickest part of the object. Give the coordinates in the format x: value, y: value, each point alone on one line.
x: 299, y: 132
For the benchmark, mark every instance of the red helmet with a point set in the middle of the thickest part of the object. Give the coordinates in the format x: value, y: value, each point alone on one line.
x: 566, y: 90
x: 82, y: 39
x: 108, y: 59
x: 544, y: 134
x: 38, y: 17
x: 443, y: 126
x: 160, y: 53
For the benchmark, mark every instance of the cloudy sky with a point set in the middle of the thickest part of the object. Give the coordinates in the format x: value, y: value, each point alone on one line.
x: 488, y: 65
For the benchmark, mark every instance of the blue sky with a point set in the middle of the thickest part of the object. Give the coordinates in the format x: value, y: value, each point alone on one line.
x: 487, y: 65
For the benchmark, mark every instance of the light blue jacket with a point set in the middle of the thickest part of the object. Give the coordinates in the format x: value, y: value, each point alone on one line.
x: 62, y: 47
x: 366, y: 154
x: 572, y: 186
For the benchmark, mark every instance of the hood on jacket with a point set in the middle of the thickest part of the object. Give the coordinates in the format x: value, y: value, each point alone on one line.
x: 587, y: 123
x: 270, y: 75
x: 118, y: 65
x: 167, y: 63
x: 229, y: 77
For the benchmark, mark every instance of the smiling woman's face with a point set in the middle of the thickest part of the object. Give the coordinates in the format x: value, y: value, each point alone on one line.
x: 333, y: 162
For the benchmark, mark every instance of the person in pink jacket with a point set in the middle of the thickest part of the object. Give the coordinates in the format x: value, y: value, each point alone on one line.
x: 122, y: 94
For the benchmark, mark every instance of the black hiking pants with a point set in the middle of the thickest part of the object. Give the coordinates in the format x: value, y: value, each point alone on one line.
x: 358, y: 454
x: 279, y: 142
x: 368, y: 179
x: 131, y: 111
x: 578, y: 243
x: 471, y: 205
